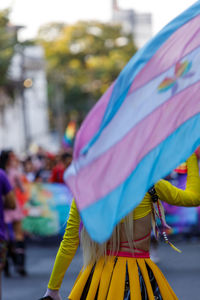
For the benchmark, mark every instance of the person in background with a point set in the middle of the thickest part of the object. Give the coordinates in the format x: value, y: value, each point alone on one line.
x: 28, y: 169
x: 44, y: 173
x: 7, y: 200
x: 13, y: 218
x: 58, y: 171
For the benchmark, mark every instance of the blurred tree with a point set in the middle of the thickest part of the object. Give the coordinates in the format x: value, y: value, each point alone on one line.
x: 7, y: 43
x: 83, y: 60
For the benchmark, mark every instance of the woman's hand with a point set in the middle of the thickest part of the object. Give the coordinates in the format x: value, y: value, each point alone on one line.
x: 54, y: 294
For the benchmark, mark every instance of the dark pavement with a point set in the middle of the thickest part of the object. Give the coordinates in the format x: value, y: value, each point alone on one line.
x: 181, y: 270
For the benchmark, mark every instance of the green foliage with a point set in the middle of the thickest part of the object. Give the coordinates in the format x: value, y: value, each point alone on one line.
x: 84, y: 59
x: 7, y: 43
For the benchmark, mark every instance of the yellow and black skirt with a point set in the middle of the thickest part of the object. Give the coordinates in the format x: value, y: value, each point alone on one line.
x: 122, y: 278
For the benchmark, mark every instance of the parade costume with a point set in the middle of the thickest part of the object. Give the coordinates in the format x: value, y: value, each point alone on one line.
x: 124, y: 275
x: 5, y: 188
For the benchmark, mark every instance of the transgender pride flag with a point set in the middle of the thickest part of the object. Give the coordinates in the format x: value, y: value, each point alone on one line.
x: 146, y: 124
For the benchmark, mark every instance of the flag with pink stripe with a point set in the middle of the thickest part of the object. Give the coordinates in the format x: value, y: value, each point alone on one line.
x: 149, y: 115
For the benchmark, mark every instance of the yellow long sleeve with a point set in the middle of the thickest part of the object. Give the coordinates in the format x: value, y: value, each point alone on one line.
x: 67, y: 248
x: 188, y: 197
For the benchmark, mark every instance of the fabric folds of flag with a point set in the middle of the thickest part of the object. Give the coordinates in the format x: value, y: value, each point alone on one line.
x: 146, y: 124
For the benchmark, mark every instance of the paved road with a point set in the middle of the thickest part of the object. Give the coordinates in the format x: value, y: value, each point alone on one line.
x: 181, y: 270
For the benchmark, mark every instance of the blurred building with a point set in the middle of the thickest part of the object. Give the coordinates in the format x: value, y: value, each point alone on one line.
x: 139, y: 24
x: 25, y: 120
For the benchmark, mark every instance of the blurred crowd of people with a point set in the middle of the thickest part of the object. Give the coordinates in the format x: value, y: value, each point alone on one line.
x: 41, y: 166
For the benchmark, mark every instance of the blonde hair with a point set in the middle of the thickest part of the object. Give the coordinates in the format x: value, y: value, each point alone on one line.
x: 93, y: 251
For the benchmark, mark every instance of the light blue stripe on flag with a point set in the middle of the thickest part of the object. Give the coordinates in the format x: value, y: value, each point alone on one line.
x: 135, y: 65
x: 100, y: 218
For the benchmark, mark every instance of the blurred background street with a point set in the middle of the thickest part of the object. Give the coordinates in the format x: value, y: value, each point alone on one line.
x: 56, y: 62
x: 181, y: 270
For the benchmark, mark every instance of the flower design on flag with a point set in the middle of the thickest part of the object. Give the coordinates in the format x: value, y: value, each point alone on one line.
x: 181, y: 71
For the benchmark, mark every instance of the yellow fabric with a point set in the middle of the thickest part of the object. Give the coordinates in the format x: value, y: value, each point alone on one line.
x: 67, y: 248
x: 80, y: 283
x: 144, y: 208
x: 166, y: 192
x: 145, y: 275
x: 165, y: 289
x: 188, y: 197
x: 79, y: 275
x: 134, y: 279
x: 171, y: 194
x: 95, y: 279
x: 115, y: 282
x: 106, y: 277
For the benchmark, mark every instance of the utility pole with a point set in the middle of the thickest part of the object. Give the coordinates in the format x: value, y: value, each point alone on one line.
x: 23, y: 99
x: 58, y: 102
x: 21, y: 88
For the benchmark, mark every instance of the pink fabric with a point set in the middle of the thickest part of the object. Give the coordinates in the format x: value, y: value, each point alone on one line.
x: 13, y: 175
x: 163, y: 122
x: 143, y: 254
x: 141, y: 239
x: 13, y: 215
x: 92, y: 122
x: 169, y: 53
